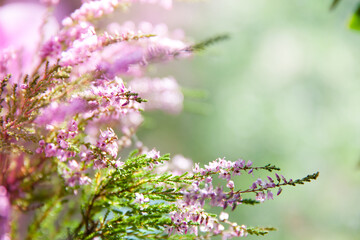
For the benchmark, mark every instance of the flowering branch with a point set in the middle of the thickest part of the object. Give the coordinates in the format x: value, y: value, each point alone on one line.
x: 69, y: 113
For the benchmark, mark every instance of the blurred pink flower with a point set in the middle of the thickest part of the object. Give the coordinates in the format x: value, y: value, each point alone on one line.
x: 20, y: 37
x: 4, y: 213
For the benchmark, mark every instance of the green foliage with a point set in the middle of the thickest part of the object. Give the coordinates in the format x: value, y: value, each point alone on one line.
x: 109, y: 210
x: 260, y: 231
x: 206, y: 43
x: 354, y: 22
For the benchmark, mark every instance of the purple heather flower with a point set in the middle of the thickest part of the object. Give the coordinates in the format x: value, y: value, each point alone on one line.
x: 283, y: 178
x: 279, y: 191
x: 239, y: 163
x: 253, y: 186
x: 249, y: 163
x: 277, y: 177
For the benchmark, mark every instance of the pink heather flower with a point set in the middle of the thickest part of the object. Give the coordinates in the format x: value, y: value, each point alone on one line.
x: 96, y: 9
x: 196, y: 168
x: 84, y: 180
x: 238, y: 166
x: 212, y: 167
x: 41, y: 143
x: 64, y: 144
x: 39, y: 150
x: 129, y: 57
x: 161, y: 93
x: 224, y: 174
x: 139, y: 198
x: 72, y: 127
x: 249, y: 163
x: 81, y: 49
x: 118, y: 163
x: 230, y: 184
x: 153, y: 154
x: 120, y: 58
x: 19, y: 36
x: 114, y: 102
x: 260, y: 196
x: 86, y: 156
x: 5, y: 208
x: 259, y: 182
x: 50, y: 150
x: 62, y: 135
x: 56, y: 112
x: 23, y: 86
x: 107, y: 142
x: 208, y: 180
x: 73, y: 165
x: 223, y: 216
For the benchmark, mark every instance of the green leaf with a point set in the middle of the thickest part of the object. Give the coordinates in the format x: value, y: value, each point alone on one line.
x: 354, y: 22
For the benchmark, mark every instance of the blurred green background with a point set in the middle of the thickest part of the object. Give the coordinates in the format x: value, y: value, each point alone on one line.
x: 284, y: 89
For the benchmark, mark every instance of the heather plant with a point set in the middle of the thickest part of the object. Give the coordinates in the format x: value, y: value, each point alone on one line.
x: 72, y: 97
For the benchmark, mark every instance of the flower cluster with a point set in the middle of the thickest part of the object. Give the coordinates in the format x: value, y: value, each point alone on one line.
x: 193, y: 217
x: 71, y: 100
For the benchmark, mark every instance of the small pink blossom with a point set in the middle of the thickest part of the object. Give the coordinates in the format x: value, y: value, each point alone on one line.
x: 139, y: 198
x: 223, y: 216
x: 230, y: 184
x: 5, y: 209
x: 73, y: 165
x: 154, y: 154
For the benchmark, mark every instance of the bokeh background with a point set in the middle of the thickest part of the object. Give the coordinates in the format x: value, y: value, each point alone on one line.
x: 284, y: 89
